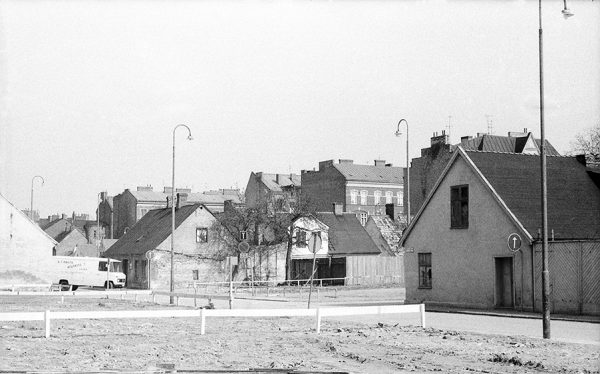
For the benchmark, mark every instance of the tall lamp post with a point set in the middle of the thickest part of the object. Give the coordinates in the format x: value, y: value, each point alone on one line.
x: 545, y: 273
x: 31, y: 201
x: 172, y: 285
x: 407, y: 184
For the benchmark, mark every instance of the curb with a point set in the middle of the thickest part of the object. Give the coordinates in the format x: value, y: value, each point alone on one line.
x: 513, y: 315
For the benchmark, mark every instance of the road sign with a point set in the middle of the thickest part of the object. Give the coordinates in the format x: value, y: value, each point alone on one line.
x: 233, y: 260
x: 514, y: 242
x: 149, y: 255
x: 314, y: 242
x: 243, y: 247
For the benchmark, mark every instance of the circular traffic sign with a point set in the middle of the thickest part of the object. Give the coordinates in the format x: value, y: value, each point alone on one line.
x: 514, y: 242
x: 243, y: 247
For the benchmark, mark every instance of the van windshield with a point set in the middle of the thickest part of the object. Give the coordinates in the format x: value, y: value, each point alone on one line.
x: 116, y: 267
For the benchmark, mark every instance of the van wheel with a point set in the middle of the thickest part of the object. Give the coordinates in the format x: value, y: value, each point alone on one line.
x: 110, y: 285
x: 73, y: 287
x: 64, y: 285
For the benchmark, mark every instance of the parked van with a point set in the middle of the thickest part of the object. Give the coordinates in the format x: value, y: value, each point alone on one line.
x: 88, y: 271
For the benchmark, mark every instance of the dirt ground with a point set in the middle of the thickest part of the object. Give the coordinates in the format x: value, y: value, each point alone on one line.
x: 265, y: 343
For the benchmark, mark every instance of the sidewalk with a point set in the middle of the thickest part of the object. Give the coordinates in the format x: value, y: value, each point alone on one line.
x: 509, y: 313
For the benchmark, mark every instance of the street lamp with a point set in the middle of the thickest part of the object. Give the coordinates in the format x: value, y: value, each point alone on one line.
x: 31, y: 201
x: 407, y: 184
x: 545, y: 273
x: 172, y: 289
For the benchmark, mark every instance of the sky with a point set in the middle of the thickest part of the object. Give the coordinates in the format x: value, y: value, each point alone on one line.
x: 91, y: 91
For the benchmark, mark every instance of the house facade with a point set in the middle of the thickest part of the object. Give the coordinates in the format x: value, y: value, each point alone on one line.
x: 199, y: 255
x: 26, y: 250
x: 475, y: 241
x: 361, y: 189
x: 347, y: 255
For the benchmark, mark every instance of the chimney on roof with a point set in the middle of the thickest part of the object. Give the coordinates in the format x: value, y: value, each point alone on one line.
x: 480, y: 134
x: 338, y: 209
x: 181, y: 199
x: 324, y: 164
x: 389, y: 210
x: 465, y: 139
x: 439, y: 139
x: 379, y: 162
x: 64, y: 216
x: 184, y: 190
x: 516, y: 134
x: 345, y: 161
x: 277, y: 178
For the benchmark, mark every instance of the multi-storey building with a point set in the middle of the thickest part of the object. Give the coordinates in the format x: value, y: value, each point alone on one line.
x: 362, y: 189
x: 275, y: 189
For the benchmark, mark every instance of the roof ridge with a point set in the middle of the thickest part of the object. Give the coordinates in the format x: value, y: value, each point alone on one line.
x: 514, y: 153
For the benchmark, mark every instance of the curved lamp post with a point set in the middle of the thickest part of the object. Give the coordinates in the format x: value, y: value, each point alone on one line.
x: 407, y: 184
x: 545, y: 273
x: 31, y: 201
x: 172, y: 286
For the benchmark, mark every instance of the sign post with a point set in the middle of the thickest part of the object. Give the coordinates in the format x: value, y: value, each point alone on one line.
x: 314, y: 244
x: 243, y: 247
x: 149, y: 258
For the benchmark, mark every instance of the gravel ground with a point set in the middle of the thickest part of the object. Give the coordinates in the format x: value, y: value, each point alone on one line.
x: 266, y: 343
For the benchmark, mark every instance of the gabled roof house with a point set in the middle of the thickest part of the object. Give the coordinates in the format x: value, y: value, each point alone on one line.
x: 476, y: 240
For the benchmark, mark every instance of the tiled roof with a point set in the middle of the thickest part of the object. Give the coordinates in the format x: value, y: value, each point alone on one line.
x: 346, y: 235
x: 390, y: 232
x: 573, y: 198
x: 151, y: 230
x: 371, y: 173
x: 285, y: 180
x: 508, y: 144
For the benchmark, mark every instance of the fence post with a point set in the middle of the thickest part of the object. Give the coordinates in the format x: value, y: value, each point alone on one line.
x: 47, y: 323
x: 202, y: 322
x: 62, y: 299
x: 195, y: 294
x: 422, y: 310
x: 318, y: 320
x: 153, y: 298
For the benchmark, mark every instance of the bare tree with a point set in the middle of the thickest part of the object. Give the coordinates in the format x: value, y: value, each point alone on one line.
x: 588, y: 143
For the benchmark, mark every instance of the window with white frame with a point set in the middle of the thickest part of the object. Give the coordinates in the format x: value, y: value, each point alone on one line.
x: 353, y: 197
x: 389, y: 197
x: 377, y: 195
x: 400, y: 197
x: 363, y: 197
x: 201, y: 235
x: 364, y: 216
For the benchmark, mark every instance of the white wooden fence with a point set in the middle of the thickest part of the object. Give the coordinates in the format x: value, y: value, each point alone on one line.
x: 319, y: 313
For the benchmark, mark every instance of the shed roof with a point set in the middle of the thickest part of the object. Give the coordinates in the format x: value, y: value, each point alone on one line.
x: 346, y: 235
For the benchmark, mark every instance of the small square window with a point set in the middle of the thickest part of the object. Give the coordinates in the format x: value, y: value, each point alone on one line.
x: 301, y: 240
x: 201, y: 235
x: 424, y: 270
x: 243, y: 235
x: 195, y: 275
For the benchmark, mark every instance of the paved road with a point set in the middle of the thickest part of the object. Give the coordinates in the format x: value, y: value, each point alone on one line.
x: 568, y: 331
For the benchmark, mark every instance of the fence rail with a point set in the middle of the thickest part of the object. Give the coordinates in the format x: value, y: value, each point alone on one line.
x: 47, y: 316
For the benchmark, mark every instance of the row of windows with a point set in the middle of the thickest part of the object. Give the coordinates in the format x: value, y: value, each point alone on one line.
x: 377, y: 197
x: 202, y: 235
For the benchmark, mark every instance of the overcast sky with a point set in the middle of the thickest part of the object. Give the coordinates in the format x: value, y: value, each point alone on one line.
x: 91, y: 90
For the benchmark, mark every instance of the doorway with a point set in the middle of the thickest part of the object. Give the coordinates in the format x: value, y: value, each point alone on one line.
x: 125, y: 270
x: 504, y: 282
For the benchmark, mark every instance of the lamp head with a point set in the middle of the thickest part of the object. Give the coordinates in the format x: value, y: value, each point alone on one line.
x: 190, y: 137
x: 567, y: 13
x: 398, y: 133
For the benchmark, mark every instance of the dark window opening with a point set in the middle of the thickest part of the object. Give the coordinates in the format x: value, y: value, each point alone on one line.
x: 201, y: 235
x: 459, y: 207
x: 424, y: 270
